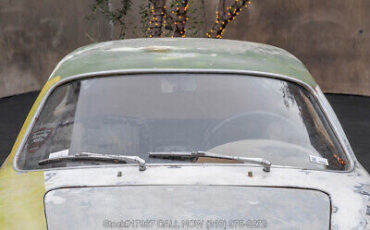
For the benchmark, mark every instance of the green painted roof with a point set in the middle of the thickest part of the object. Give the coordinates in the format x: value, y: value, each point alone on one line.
x: 182, y: 53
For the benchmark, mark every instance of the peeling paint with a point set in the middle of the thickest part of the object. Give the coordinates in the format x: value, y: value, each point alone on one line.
x: 198, y: 53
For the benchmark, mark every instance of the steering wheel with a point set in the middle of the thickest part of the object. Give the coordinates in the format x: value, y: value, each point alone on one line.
x: 254, y: 125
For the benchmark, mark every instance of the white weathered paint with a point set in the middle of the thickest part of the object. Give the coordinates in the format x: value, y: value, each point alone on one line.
x: 349, y: 192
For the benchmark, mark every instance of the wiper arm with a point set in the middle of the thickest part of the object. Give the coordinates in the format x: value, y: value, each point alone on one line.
x: 190, y: 155
x: 97, y: 157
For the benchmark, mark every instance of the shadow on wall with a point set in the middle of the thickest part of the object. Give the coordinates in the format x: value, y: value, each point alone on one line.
x: 332, y: 38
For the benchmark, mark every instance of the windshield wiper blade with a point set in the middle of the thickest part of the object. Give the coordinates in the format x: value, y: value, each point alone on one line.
x: 97, y: 157
x: 191, y: 155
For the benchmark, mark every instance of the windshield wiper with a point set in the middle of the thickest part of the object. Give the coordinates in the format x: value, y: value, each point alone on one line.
x: 85, y: 156
x: 194, y: 155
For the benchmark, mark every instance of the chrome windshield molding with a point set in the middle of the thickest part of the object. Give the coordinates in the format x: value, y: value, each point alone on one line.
x: 195, y: 155
x: 134, y: 72
x: 338, y: 129
x: 177, y: 165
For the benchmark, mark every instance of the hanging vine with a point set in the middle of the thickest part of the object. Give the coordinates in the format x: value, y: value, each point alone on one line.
x: 145, y: 15
x: 225, y: 15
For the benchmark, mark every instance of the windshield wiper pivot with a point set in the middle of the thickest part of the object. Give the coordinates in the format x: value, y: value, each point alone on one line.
x: 183, y: 155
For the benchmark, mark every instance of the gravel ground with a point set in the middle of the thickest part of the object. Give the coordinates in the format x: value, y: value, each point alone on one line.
x: 352, y: 111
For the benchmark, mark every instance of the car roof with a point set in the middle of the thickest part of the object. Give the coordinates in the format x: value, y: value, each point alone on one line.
x: 182, y: 53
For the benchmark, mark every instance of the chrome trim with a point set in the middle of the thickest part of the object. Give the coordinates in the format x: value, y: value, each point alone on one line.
x: 195, y: 155
x: 335, y: 120
x: 308, y: 87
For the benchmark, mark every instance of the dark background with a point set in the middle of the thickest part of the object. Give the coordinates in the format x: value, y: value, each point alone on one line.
x: 352, y: 111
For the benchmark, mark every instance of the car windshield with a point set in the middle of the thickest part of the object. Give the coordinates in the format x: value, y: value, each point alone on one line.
x: 235, y: 115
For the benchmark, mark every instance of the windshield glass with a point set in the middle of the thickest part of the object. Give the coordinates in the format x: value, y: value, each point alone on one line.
x: 225, y: 114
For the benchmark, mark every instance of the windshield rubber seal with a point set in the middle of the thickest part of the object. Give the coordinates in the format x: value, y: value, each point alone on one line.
x: 340, y: 138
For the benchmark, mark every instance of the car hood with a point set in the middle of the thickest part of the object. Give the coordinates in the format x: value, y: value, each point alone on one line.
x: 186, y: 207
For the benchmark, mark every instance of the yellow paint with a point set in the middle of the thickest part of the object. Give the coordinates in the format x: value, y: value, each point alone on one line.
x: 21, y: 194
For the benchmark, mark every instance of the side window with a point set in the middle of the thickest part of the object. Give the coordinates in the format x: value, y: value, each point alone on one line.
x: 53, y: 128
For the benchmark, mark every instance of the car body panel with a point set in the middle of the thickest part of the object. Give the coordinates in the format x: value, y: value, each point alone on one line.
x: 120, y: 206
x: 22, y: 192
x: 349, y: 192
x: 194, y: 53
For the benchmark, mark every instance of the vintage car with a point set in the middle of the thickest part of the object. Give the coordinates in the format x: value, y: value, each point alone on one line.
x: 182, y: 134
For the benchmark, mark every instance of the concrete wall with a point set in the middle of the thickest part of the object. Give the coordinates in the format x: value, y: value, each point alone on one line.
x: 331, y: 37
x: 36, y: 34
